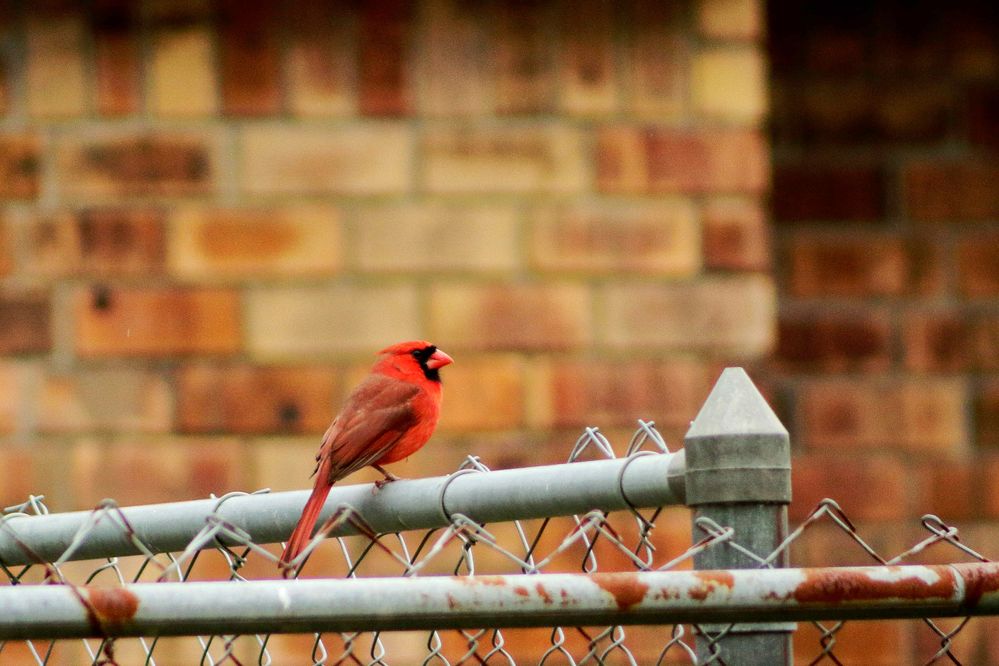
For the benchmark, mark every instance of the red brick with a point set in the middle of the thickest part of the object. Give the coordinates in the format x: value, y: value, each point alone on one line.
x: 147, y: 471
x: 117, y: 57
x: 736, y: 235
x: 876, y: 485
x: 862, y: 265
x: 138, y: 165
x: 249, y: 58
x: 98, y: 241
x: 652, y: 238
x: 483, y: 392
x: 633, y: 160
x: 384, y: 82
x: 835, y: 342
x: 988, y: 468
x: 496, y: 317
x: 20, y: 164
x: 948, y: 489
x: 575, y: 393
x: 524, y: 72
x: 220, y: 243
x: 918, y: 416
x: 986, y: 414
x: 951, y: 341
x: 16, y: 488
x: 105, y: 400
x: 6, y: 249
x: 819, y: 192
x: 249, y: 400
x: 321, y: 63
x: 733, y: 316
x: 156, y: 321
x: 24, y: 323
x: 453, y: 71
x: 951, y: 191
x: 978, y: 264
x: 872, y: 643
x: 588, y: 81
x: 17, y: 381
x: 658, y: 60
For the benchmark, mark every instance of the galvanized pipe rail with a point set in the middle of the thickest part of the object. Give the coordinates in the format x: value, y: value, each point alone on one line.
x: 640, y: 481
x: 439, y: 602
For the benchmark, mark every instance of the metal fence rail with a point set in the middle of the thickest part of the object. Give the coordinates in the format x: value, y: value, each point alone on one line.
x: 481, y: 564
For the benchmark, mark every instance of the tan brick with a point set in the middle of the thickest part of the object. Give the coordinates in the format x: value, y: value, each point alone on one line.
x: 113, y: 399
x: 221, y: 243
x: 655, y: 159
x: 575, y: 393
x: 15, y: 488
x: 661, y: 238
x: 247, y: 399
x: 483, y: 393
x: 283, y: 463
x: 503, y: 316
x: 736, y: 235
x: 110, y: 164
x: 98, y: 241
x: 924, y: 415
x: 452, y: 71
x: 730, y: 83
x: 588, y: 82
x: 181, y: 77
x: 369, y: 158
x: 321, y: 70
x: 659, y: 62
x: 437, y: 237
x: 730, y: 19
x: 152, y: 470
x: 56, y: 82
x: 731, y: 315
x: 20, y: 166
x: 329, y: 320
x: 25, y: 323
x: 520, y: 160
x: 156, y: 321
x: 14, y: 396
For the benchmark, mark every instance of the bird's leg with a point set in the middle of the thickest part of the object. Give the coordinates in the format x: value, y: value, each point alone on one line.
x: 389, y: 477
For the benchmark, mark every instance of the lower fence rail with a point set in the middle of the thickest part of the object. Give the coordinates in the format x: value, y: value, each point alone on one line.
x: 466, y: 602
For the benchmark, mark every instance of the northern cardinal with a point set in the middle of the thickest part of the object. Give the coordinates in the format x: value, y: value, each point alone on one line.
x: 387, y: 417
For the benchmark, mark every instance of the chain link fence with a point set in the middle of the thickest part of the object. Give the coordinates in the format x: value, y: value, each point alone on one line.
x: 414, y: 574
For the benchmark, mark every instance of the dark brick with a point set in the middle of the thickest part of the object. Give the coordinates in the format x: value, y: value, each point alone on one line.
x: 834, y: 343
x: 952, y: 191
x: 249, y: 58
x: 983, y: 117
x: 384, y: 87
x: 860, y: 265
x: 938, y: 342
x: 24, y: 324
x: 117, y: 57
x: 525, y: 80
x: 19, y: 167
x: 978, y: 264
x: 987, y: 414
x: 816, y: 192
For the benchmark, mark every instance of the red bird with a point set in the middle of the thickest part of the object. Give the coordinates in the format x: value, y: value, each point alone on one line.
x: 390, y: 415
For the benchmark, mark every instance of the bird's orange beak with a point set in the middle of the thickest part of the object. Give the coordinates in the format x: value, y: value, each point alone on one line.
x: 438, y: 360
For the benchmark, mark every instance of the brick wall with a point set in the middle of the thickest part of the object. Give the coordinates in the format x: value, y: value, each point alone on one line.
x: 885, y: 202
x: 214, y: 214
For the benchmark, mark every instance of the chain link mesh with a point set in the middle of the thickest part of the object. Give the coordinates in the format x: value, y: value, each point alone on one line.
x: 650, y: 540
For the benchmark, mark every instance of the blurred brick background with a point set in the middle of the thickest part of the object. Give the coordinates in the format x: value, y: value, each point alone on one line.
x: 214, y: 213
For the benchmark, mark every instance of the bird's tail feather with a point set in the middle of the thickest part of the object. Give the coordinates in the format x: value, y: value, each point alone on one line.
x: 303, y: 531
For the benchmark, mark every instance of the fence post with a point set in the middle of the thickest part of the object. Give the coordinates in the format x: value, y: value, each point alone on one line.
x: 739, y: 475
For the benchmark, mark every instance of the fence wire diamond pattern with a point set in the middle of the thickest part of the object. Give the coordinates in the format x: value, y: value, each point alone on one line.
x: 592, y: 542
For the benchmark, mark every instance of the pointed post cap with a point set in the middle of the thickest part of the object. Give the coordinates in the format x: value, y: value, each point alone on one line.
x: 737, y: 450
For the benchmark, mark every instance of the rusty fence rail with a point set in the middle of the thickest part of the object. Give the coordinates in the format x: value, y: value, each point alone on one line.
x: 580, y: 563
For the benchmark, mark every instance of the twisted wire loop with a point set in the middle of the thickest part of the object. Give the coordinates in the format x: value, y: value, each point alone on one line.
x: 597, y: 541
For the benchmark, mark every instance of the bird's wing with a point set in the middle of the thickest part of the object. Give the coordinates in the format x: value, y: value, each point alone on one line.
x: 377, y: 414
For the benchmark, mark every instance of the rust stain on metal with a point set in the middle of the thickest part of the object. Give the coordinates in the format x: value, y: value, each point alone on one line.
x: 522, y: 591
x: 979, y: 579
x: 499, y: 581
x: 543, y: 593
x: 709, y: 581
x: 452, y: 603
x: 626, y: 588
x: 110, y: 608
x: 852, y: 585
